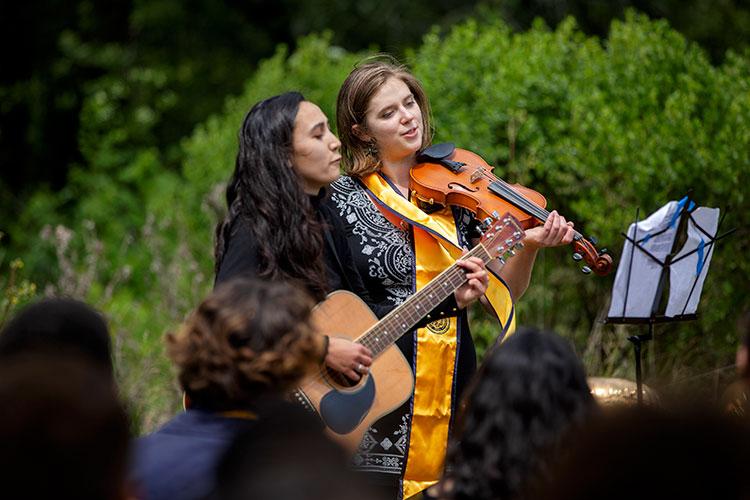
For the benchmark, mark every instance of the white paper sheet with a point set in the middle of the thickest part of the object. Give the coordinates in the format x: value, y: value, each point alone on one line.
x: 643, y: 271
x: 683, y: 273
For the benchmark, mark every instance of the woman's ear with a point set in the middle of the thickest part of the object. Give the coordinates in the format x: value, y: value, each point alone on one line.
x: 360, y: 133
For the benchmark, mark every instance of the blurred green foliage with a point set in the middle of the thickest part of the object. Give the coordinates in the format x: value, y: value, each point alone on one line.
x: 600, y: 127
x: 15, y: 291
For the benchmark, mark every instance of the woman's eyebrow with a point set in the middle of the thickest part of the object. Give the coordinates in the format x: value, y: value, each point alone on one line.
x: 319, y: 125
x: 385, y: 108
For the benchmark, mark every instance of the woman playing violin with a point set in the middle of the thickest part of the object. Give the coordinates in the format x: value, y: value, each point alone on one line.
x: 383, y: 123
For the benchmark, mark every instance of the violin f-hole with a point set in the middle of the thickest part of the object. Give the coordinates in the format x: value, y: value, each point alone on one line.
x: 451, y: 185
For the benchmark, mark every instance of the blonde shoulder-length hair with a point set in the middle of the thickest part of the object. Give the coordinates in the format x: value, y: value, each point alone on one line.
x: 351, y: 109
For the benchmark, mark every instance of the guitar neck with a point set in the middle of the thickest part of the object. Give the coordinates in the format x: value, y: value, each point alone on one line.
x: 404, y: 317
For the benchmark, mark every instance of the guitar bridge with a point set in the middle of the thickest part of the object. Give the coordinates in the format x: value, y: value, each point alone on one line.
x: 302, y: 399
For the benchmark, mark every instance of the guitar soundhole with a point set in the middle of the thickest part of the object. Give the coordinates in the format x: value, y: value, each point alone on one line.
x: 340, y: 379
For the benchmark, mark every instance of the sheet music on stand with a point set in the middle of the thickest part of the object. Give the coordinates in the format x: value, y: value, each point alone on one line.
x: 650, y: 256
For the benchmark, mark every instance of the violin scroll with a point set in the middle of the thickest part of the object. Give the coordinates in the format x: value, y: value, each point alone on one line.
x: 596, y: 260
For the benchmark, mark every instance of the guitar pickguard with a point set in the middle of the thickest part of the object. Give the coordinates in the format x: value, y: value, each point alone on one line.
x: 342, y: 412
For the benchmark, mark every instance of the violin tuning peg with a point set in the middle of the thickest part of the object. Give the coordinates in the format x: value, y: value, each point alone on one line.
x: 593, y: 240
x: 602, y: 251
x: 577, y: 256
x: 586, y: 270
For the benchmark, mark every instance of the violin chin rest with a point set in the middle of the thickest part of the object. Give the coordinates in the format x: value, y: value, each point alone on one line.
x: 436, y: 152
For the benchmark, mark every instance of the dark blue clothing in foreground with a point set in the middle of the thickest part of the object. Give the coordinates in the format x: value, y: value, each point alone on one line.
x: 178, y: 461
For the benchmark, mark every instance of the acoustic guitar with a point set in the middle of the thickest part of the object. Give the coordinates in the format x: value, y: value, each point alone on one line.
x: 348, y: 408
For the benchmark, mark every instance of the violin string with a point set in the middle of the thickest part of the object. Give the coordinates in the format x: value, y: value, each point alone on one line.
x: 519, y: 199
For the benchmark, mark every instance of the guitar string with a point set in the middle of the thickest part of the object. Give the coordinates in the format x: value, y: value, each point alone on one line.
x: 453, y: 276
x: 405, y: 318
x: 388, y: 321
x: 372, y: 339
x: 389, y: 318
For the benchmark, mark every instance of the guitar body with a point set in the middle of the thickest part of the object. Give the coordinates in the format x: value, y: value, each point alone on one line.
x: 346, y: 408
x: 348, y: 411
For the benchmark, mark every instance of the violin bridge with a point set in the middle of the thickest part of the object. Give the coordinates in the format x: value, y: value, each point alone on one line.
x: 477, y: 174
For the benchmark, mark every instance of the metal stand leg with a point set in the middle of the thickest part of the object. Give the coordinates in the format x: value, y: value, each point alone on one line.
x: 637, y: 341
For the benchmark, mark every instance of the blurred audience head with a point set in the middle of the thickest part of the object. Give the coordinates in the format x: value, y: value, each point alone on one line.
x: 529, y: 393
x: 63, y: 433
x: 60, y: 325
x: 652, y: 453
x: 246, y: 340
x: 287, y: 455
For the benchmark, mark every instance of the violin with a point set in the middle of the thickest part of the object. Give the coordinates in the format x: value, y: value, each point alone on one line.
x: 466, y: 180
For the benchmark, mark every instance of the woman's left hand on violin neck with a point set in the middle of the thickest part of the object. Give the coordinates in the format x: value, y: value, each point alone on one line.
x: 516, y: 272
x: 555, y: 231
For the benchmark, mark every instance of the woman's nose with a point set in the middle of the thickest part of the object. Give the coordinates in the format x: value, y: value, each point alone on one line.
x: 407, y: 115
x: 335, y: 142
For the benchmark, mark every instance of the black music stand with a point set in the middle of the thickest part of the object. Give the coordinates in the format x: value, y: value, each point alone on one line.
x: 684, y: 212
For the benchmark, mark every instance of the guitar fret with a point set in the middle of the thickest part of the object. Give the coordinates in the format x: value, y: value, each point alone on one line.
x: 414, y: 308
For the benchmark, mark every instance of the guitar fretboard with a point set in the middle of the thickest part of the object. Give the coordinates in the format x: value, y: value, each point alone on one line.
x: 416, y: 307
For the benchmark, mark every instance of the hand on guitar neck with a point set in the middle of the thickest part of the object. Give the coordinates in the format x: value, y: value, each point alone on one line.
x: 477, y: 280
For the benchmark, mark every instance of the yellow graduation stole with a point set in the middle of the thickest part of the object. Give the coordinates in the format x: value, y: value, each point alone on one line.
x: 436, y: 247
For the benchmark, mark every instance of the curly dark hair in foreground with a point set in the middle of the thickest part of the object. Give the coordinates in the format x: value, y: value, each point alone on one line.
x: 247, y: 339
x: 529, y: 393
x: 265, y: 191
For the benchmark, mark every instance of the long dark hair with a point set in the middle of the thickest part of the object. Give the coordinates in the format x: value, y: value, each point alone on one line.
x: 265, y: 191
x: 530, y: 393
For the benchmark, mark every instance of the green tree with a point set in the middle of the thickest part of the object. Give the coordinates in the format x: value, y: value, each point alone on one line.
x: 599, y: 126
